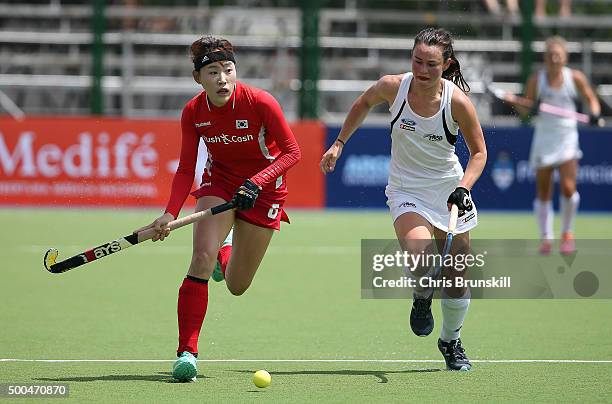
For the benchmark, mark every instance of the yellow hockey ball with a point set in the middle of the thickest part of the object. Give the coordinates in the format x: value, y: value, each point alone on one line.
x: 262, y: 379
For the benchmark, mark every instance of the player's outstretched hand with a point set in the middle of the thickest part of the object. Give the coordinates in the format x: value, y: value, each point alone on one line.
x: 160, y: 225
x: 246, y: 195
x: 328, y: 161
x: 460, y: 197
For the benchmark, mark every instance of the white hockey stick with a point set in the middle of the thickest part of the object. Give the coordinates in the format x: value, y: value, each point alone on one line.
x: 543, y: 107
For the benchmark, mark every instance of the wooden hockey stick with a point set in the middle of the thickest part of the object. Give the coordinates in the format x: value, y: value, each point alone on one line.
x: 122, y: 243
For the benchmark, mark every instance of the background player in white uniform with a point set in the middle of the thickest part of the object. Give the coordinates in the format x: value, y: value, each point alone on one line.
x: 425, y: 177
x: 555, y: 141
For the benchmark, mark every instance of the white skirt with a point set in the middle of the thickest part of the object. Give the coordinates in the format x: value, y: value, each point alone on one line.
x: 553, y: 148
x: 430, y: 203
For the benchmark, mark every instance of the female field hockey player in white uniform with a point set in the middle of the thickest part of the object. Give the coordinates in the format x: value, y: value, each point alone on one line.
x: 555, y: 141
x: 427, y: 108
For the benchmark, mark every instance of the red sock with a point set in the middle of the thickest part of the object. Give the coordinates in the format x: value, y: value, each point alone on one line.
x: 192, y: 304
x: 224, y: 256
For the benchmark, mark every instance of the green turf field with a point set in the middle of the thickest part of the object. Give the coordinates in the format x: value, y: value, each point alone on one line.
x: 303, y: 320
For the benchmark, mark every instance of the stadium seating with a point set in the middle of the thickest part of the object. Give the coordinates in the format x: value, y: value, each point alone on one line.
x: 46, y: 63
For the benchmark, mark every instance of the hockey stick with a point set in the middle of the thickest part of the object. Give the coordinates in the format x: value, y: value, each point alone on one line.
x: 542, y: 106
x: 123, y: 242
x: 452, y: 226
x: 10, y: 107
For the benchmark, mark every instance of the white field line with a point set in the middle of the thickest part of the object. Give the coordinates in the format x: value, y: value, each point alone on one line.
x: 311, y: 360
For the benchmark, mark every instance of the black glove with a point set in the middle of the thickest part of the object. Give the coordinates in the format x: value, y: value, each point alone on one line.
x: 535, y: 108
x: 246, y: 195
x: 596, y: 120
x: 461, y: 197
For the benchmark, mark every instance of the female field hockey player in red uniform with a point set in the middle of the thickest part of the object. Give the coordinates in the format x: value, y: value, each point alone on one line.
x: 250, y: 148
x: 427, y: 108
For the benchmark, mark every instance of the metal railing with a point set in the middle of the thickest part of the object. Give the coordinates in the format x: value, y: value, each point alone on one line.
x: 138, y: 65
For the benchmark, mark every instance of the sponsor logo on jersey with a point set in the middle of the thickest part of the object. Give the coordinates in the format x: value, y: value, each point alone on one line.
x: 433, y: 138
x: 503, y: 171
x: 200, y: 124
x: 206, y: 184
x: 226, y: 139
x: 242, y: 124
x: 469, y: 217
x: 407, y: 124
x: 407, y: 205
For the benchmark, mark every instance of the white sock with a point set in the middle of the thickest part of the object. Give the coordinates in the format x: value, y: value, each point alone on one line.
x: 419, y: 291
x: 569, y: 206
x: 453, y: 314
x: 544, y: 213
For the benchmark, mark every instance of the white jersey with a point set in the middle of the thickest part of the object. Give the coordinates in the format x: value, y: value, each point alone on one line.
x: 424, y: 168
x: 422, y: 149
x: 555, y: 139
x: 563, y: 97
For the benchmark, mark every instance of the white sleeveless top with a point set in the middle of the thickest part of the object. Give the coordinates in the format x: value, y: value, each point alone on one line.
x: 563, y: 97
x: 423, y: 155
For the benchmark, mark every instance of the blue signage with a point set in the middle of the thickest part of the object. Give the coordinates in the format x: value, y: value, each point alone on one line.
x: 508, y: 182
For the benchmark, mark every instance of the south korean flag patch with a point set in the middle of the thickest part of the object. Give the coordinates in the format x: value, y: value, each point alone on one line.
x: 242, y: 124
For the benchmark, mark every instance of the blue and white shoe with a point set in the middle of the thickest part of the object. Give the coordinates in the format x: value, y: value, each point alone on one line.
x: 217, y: 274
x: 185, y: 368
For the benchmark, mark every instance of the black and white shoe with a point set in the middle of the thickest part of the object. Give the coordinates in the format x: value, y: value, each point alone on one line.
x: 454, y: 355
x: 421, y: 319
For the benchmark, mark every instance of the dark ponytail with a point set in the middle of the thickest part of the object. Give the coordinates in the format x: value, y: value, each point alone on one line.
x: 442, y: 38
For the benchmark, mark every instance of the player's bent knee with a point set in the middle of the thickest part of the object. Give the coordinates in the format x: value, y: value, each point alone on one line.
x: 237, y: 290
x: 568, y: 190
x: 417, y: 246
x: 203, y: 262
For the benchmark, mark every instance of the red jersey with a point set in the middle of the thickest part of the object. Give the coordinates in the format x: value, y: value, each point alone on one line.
x: 247, y: 138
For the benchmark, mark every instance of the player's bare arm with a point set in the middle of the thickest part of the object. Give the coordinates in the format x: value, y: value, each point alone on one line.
x: 582, y: 84
x: 385, y: 89
x: 464, y: 113
x: 530, y: 94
